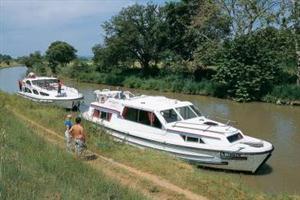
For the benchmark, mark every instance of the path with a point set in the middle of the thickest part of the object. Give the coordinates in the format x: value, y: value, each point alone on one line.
x: 150, y: 185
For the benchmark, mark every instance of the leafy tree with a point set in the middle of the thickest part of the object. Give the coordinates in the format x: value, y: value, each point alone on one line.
x: 136, y: 33
x: 5, y: 58
x: 32, y: 59
x: 250, y: 65
x: 60, y: 53
x: 247, y: 16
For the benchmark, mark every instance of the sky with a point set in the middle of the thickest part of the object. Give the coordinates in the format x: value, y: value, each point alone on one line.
x: 31, y: 25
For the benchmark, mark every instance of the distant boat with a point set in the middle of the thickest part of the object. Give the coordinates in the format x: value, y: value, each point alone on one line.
x: 176, y: 127
x: 49, y: 90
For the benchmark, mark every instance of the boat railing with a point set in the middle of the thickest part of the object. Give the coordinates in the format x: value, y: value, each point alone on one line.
x: 206, y: 129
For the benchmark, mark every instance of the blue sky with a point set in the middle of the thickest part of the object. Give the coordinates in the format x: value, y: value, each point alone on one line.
x: 30, y: 25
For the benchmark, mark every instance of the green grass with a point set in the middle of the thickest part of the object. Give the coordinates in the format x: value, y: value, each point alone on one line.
x: 284, y: 93
x: 33, y: 169
x: 176, y: 171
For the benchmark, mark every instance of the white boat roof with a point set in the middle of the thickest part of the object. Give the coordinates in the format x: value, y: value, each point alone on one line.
x: 154, y: 103
x: 41, y: 78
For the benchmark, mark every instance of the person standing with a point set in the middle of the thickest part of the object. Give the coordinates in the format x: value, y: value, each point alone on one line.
x: 59, y: 87
x: 79, y: 136
x: 68, y: 123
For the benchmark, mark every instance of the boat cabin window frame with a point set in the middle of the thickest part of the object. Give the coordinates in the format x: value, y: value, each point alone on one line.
x: 192, y: 139
x: 100, y: 114
x: 27, y: 90
x: 235, y: 137
x: 171, y: 117
x: 35, y: 92
x: 196, y: 110
x: 187, y: 113
x: 28, y: 82
x: 143, y: 117
x: 44, y: 94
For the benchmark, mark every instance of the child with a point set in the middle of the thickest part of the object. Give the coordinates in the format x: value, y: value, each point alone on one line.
x: 68, y: 137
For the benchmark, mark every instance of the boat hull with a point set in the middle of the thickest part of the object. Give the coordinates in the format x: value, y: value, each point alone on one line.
x: 236, y: 161
x: 72, y: 103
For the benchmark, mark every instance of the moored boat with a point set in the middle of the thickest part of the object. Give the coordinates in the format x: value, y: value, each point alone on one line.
x: 176, y: 127
x: 49, y: 90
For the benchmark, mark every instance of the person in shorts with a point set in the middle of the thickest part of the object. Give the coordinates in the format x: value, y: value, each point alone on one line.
x: 79, y: 137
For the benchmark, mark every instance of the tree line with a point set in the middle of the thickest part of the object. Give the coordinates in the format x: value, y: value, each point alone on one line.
x: 243, y: 48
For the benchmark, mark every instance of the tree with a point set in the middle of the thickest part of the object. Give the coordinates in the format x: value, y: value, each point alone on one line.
x: 247, y: 16
x: 5, y: 58
x: 250, y: 66
x: 136, y: 33
x: 60, y: 53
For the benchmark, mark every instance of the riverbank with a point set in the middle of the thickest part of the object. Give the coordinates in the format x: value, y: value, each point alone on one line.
x: 176, y: 171
x: 32, y: 168
x: 11, y: 64
x: 285, y: 94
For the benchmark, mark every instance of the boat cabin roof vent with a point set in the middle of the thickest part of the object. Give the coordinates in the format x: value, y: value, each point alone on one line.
x: 210, y: 123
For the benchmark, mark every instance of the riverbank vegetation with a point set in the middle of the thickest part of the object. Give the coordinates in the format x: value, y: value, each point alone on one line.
x: 242, y: 50
x: 163, y: 165
x: 33, y: 169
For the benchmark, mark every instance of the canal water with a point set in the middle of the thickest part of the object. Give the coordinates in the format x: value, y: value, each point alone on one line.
x: 278, y: 124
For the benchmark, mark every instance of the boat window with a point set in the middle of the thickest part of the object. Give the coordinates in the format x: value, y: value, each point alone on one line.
x: 27, y: 90
x: 148, y: 118
x: 130, y: 114
x: 196, y: 110
x: 28, y: 82
x: 35, y: 92
x: 186, y: 112
x: 96, y: 113
x: 234, y: 137
x: 192, y: 139
x: 105, y: 115
x: 141, y: 116
x: 44, y: 94
x: 170, y: 115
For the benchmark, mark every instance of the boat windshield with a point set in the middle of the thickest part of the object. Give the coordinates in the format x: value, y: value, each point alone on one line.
x: 170, y: 115
x: 196, y: 110
x: 48, y: 84
x: 186, y: 112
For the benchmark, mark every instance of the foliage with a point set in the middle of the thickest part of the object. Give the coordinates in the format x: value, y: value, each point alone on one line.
x: 5, y: 58
x: 134, y: 34
x: 60, y: 53
x: 249, y: 67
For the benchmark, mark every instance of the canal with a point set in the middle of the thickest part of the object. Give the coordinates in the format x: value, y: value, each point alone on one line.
x: 278, y: 124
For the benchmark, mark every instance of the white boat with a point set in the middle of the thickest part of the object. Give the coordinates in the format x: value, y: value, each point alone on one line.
x: 49, y: 90
x: 176, y: 127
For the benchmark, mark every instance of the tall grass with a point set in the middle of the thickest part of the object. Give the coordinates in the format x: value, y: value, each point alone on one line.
x: 176, y: 171
x: 284, y: 94
x: 33, y: 169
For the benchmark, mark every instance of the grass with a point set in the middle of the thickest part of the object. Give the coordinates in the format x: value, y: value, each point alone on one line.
x: 34, y: 169
x: 284, y: 94
x: 176, y: 171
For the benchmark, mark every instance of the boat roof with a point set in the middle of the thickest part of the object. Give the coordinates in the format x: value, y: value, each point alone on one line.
x: 154, y: 103
x: 41, y: 78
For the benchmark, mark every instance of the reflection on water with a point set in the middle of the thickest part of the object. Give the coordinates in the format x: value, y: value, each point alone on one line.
x: 278, y: 124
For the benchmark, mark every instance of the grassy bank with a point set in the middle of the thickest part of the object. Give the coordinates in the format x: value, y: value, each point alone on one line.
x: 176, y: 171
x: 168, y: 82
x: 33, y: 169
x: 11, y: 64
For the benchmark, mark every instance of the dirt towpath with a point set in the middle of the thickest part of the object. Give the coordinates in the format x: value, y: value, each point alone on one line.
x: 152, y: 186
